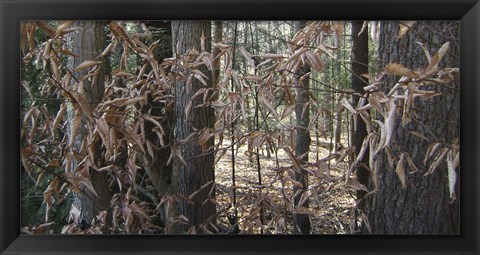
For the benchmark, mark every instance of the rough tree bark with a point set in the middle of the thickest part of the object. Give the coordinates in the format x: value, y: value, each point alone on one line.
x: 88, y: 43
x: 198, y: 169
x: 302, y: 113
x: 424, y: 207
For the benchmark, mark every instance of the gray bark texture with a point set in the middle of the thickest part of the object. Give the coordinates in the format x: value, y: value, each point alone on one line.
x: 199, y: 167
x: 88, y: 43
x: 424, y: 207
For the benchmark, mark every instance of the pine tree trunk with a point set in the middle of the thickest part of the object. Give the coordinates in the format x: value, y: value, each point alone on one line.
x: 199, y: 167
x: 424, y: 207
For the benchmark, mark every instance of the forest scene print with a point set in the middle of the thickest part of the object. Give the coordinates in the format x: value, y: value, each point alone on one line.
x: 240, y: 127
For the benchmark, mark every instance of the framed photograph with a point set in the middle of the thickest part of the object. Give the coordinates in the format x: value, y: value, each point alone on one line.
x: 242, y: 127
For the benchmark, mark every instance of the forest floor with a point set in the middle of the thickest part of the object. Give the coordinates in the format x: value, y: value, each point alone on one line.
x: 331, y: 202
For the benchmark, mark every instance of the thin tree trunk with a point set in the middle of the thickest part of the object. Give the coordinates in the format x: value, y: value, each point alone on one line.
x: 359, y: 59
x: 217, y: 37
x: 302, y: 113
x: 337, y: 133
x: 88, y: 44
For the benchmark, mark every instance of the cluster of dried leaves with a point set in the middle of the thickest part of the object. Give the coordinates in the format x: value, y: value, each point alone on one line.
x: 399, y: 103
x: 111, y: 136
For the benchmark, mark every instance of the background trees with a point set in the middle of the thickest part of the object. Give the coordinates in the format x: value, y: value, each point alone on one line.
x: 241, y: 135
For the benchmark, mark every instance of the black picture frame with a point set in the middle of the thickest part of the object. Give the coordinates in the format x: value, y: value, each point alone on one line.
x: 13, y: 11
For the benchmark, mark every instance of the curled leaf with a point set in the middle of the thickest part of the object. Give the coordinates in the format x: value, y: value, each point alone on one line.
x: 87, y: 64
x: 404, y: 27
x: 400, y: 170
x: 75, y: 125
x: 400, y: 70
x: 452, y: 163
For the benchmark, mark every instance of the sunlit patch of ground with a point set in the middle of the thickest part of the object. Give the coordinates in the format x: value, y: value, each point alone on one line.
x: 330, y: 201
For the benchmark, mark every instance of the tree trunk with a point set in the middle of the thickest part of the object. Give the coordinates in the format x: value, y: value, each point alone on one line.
x: 217, y: 38
x: 424, y: 206
x: 337, y: 131
x: 359, y: 66
x: 302, y: 113
x: 198, y: 169
x: 158, y: 171
x: 88, y: 44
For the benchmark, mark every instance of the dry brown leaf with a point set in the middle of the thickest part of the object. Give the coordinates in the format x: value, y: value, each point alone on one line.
x: 46, y: 27
x: 435, y: 60
x: 363, y: 149
x: 64, y: 25
x: 437, y: 161
x: 287, y: 111
x: 23, y: 37
x: 269, y: 56
x: 75, y: 125
x: 400, y: 70
x: 205, y: 136
x: 355, y: 184
x: 390, y: 123
x: 404, y: 27
x: 82, y: 101
x: 113, y: 139
x: 296, y: 55
x: 400, y: 170
x: 452, y: 163
x: 265, y: 102
x: 314, y: 60
x: 248, y: 57
x: 374, y: 100
x: 411, y: 164
x: 253, y: 78
x: 87, y: 64
x: 313, y: 120
x: 60, y: 116
x: 383, y: 136
x: 421, y: 136
x: 347, y: 105
x: 432, y: 148
x: 118, y: 30
x: 296, y: 165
